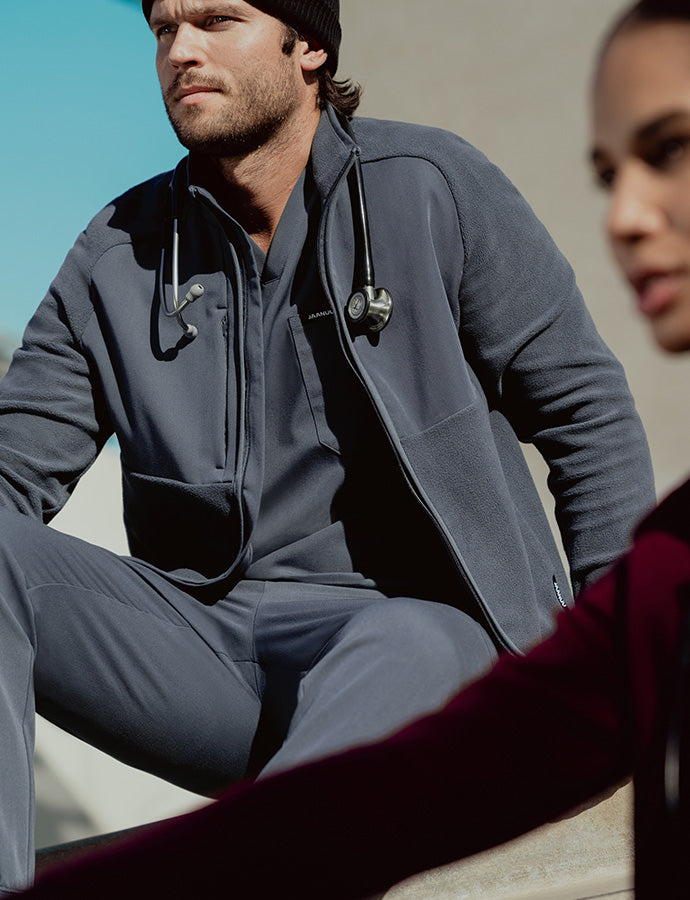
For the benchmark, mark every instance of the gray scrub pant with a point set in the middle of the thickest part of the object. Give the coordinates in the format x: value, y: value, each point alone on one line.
x: 201, y: 695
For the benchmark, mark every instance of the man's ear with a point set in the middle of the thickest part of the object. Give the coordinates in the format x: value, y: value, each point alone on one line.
x: 313, y: 56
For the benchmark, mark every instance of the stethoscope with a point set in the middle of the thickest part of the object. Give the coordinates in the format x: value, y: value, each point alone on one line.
x: 195, y: 291
x: 368, y: 309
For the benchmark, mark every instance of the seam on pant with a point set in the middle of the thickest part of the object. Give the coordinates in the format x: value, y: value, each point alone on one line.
x: 323, y: 649
x: 46, y: 585
x: 259, y: 603
x: 30, y: 858
x: 184, y: 625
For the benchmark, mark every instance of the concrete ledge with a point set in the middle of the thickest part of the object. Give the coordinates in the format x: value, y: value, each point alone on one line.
x: 47, y: 857
x: 583, y: 857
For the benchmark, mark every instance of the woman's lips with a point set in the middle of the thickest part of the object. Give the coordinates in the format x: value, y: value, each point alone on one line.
x: 656, y: 290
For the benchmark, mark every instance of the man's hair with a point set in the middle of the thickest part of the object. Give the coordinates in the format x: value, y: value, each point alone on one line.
x: 345, y: 95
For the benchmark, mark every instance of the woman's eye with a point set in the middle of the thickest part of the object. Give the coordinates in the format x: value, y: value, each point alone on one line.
x: 668, y: 152
x: 604, y: 178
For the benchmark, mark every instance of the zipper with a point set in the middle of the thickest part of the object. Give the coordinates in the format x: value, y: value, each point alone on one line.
x: 408, y: 474
x: 242, y: 394
x: 242, y: 417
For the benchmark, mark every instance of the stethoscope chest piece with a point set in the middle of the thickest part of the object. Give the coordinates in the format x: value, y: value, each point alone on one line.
x: 369, y: 308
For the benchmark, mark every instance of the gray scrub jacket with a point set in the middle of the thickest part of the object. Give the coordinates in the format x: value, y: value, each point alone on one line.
x: 489, y: 344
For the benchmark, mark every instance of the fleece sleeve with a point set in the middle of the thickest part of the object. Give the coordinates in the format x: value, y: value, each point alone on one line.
x: 544, y: 366
x: 52, y: 417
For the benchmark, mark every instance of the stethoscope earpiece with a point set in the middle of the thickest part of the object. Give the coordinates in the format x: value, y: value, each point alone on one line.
x: 195, y: 291
x: 369, y: 308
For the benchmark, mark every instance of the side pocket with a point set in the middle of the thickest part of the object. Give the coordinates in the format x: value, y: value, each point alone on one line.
x: 181, y: 527
x: 312, y: 385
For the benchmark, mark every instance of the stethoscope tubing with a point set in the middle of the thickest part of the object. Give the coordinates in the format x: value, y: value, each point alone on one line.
x: 368, y: 308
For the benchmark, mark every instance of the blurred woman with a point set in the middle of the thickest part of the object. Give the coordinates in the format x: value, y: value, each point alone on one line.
x: 602, y: 699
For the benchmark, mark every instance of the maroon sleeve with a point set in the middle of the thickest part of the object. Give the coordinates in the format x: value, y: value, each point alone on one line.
x: 536, y: 736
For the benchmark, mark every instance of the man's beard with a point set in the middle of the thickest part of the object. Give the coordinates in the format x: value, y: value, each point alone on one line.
x: 249, y: 119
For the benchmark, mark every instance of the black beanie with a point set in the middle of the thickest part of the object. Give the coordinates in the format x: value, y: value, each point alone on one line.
x: 312, y: 18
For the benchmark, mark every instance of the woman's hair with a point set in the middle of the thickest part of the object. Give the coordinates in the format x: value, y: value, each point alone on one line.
x: 344, y: 95
x: 646, y: 11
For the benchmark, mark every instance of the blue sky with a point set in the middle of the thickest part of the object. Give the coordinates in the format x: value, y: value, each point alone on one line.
x: 82, y: 121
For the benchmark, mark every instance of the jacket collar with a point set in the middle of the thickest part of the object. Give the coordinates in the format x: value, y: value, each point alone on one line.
x: 331, y: 155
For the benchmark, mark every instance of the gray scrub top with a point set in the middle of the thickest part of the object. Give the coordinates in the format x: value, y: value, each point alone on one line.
x: 334, y: 506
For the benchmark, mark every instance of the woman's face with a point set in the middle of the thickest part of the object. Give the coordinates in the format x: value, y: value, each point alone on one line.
x: 641, y: 154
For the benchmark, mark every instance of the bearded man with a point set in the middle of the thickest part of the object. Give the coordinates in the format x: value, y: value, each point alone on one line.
x: 331, y: 524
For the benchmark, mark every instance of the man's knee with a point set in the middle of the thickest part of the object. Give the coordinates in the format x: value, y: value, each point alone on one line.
x: 427, y: 636
x: 16, y: 541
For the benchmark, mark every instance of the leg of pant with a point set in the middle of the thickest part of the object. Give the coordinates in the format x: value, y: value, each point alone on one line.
x: 538, y: 735
x: 118, y: 658
x: 16, y: 741
x: 535, y: 736
x: 391, y: 662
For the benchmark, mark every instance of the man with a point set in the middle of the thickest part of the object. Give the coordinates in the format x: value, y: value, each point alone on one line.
x: 331, y: 524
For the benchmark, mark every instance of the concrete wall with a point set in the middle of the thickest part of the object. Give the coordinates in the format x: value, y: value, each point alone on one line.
x: 512, y: 78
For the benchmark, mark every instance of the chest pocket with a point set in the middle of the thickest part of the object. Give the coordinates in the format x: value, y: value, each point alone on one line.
x: 323, y: 371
